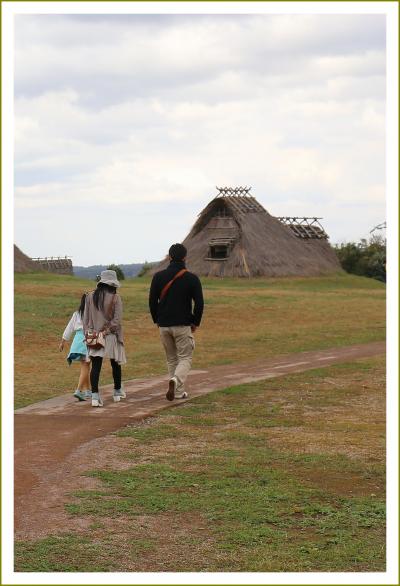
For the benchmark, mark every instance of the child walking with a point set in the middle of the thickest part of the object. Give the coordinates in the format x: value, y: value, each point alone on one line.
x: 78, y: 351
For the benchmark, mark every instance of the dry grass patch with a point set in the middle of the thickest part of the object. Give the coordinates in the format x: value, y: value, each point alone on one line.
x: 345, y: 416
x: 244, y: 320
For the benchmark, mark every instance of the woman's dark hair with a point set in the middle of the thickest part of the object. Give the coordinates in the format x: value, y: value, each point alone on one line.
x: 82, y: 305
x: 98, y: 295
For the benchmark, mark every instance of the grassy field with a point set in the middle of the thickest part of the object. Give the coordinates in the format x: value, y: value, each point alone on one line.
x: 244, y: 320
x: 282, y: 475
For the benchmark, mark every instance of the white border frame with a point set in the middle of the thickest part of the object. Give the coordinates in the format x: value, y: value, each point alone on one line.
x: 9, y: 9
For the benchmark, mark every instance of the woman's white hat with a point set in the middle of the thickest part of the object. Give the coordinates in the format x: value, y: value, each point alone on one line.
x: 109, y: 277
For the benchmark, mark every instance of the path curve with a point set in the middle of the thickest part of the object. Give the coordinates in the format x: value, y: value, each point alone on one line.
x: 50, y: 436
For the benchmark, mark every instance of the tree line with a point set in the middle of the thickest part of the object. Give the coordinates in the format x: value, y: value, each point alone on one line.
x: 366, y: 258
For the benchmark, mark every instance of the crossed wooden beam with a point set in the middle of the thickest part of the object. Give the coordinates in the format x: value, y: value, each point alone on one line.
x: 233, y: 190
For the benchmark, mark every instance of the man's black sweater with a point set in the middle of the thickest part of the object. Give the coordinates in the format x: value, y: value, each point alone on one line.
x: 176, y: 307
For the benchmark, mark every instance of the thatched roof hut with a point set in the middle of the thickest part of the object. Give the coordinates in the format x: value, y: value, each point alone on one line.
x: 235, y: 236
x: 22, y: 263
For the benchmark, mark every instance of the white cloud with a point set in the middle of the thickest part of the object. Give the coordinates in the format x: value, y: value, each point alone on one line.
x: 119, y: 113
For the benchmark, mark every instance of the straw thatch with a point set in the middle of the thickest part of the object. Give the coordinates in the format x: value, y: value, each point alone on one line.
x: 22, y: 263
x: 254, y: 243
x: 58, y: 265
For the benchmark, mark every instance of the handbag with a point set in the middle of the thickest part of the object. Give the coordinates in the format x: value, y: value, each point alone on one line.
x: 95, y: 340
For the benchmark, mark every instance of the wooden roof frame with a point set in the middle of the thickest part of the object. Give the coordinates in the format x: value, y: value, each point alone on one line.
x: 304, y: 227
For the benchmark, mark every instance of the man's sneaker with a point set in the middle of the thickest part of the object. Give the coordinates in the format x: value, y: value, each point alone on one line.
x: 96, y: 400
x: 119, y: 394
x: 172, y: 384
x: 80, y: 395
x: 182, y: 395
x: 87, y: 394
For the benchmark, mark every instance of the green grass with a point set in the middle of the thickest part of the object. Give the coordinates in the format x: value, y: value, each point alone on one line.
x: 279, y: 478
x: 68, y: 553
x: 244, y: 320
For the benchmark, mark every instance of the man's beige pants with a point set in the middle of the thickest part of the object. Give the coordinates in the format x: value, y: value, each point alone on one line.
x: 178, y: 342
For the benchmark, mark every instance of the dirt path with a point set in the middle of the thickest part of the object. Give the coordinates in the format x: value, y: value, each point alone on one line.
x: 59, y: 439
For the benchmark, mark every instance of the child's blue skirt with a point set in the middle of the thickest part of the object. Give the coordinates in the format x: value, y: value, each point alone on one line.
x: 78, y: 350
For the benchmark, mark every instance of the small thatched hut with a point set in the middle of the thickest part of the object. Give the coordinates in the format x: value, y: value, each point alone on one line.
x: 234, y: 236
x: 22, y: 263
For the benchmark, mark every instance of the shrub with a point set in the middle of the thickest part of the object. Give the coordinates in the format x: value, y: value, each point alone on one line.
x: 146, y: 268
x: 365, y: 258
x: 118, y: 270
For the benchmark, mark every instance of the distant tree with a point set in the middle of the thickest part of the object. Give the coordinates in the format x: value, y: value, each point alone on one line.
x: 147, y: 266
x: 118, y: 270
x: 366, y: 258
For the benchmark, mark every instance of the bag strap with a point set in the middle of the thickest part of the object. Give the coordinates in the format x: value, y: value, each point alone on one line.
x: 166, y: 287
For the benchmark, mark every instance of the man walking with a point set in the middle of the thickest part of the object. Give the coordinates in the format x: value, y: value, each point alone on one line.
x: 176, y: 306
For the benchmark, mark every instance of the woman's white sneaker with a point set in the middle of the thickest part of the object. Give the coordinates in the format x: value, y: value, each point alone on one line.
x: 96, y: 400
x: 119, y: 394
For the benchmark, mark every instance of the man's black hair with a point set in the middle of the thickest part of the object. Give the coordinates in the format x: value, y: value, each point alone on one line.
x: 177, y: 252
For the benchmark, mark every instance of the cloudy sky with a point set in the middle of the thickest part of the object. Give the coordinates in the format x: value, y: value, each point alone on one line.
x: 125, y: 125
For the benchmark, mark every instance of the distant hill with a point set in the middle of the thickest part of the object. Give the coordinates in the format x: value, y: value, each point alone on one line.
x: 90, y: 272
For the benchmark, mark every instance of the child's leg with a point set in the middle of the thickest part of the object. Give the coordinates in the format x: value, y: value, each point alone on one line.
x: 84, y: 382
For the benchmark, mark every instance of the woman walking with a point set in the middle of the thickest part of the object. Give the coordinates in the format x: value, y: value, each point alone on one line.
x: 78, y: 351
x: 103, y: 313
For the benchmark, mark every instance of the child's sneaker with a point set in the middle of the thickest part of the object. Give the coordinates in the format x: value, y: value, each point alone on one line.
x: 119, y: 394
x: 80, y: 395
x: 96, y: 400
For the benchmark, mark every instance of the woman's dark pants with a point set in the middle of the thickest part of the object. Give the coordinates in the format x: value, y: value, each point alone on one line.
x: 97, y: 362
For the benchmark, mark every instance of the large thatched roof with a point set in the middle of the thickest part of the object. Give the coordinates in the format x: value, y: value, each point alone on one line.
x: 235, y: 236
